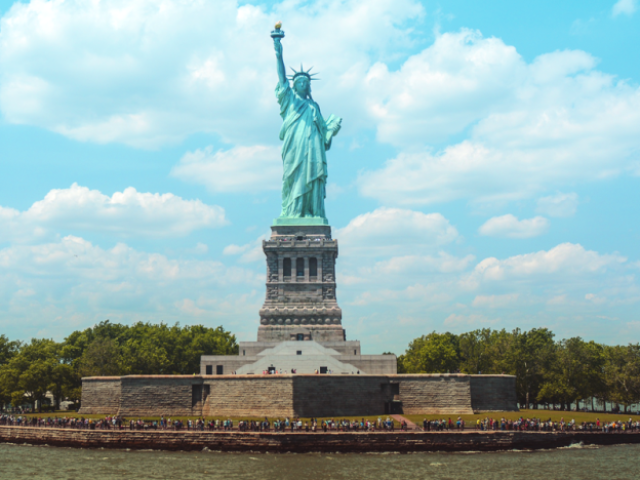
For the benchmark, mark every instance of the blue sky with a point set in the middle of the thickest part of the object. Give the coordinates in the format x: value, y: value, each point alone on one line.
x: 486, y: 174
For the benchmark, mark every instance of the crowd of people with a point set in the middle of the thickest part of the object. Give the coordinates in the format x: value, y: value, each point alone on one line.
x: 315, y: 425
x: 203, y: 424
x: 538, y: 425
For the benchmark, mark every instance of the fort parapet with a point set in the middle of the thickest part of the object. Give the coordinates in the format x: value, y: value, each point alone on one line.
x: 296, y: 395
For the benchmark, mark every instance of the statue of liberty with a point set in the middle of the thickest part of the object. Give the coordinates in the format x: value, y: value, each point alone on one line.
x: 306, y: 136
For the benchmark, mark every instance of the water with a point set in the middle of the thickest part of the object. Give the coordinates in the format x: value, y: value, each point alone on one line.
x: 18, y: 462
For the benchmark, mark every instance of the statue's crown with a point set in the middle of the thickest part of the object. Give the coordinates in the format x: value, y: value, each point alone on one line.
x: 302, y: 73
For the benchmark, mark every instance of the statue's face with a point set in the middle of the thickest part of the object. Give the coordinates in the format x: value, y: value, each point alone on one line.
x: 301, y: 86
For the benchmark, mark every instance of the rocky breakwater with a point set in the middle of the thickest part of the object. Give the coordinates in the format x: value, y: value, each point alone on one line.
x: 308, y: 442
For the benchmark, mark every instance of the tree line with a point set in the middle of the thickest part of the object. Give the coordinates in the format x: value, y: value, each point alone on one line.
x: 31, y: 369
x: 548, y: 372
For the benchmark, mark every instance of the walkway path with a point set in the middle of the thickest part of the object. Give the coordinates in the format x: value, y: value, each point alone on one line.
x: 410, y: 424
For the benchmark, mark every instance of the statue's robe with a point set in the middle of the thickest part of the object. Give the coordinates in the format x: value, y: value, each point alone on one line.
x: 306, y: 140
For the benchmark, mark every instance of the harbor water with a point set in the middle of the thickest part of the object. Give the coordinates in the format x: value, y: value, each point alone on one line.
x: 579, y: 462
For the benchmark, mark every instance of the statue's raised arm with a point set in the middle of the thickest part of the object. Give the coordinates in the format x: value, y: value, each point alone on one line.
x: 277, y: 36
x: 306, y: 137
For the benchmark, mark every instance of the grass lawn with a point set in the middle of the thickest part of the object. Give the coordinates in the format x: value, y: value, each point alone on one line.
x: 554, y: 415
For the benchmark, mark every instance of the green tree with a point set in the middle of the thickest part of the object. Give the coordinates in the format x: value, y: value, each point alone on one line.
x: 27, y: 376
x: 8, y: 349
x: 622, y: 374
x: 481, y: 350
x: 144, y: 348
x: 101, y: 357
x: 433, y: 353
x: 527, y: 356
x: 575, y: 374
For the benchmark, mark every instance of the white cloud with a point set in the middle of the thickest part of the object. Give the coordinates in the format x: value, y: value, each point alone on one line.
x: 394, y: 230
x: 441, y: 90
x: 75, y: 256
x: 564, y: 288
x: 47, y: 285
x: 199, y: 249
x: 443, y: 263
x: 495, y: 301
x: 626, y: 7
x: 558, y: 205
x: 250, y: 252
x: 510, y: 227
x: 566, y: 259
x: 240, y: 169
x: 468, y: 322
x: 598, y: 300
x: 416, y: 294
x: 533, y: 126
x: 126, y: 214
x: 147, y: 73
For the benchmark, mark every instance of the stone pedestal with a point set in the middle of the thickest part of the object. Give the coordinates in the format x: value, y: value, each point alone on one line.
x: 301, y: 288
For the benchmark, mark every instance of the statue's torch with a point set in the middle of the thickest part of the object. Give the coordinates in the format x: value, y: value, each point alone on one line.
x: 277, y: 33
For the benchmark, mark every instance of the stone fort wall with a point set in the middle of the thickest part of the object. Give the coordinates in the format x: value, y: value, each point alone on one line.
x: 296, y: 395
x: 356, y: 442
x: 493, y: 393
x: 101, y: 395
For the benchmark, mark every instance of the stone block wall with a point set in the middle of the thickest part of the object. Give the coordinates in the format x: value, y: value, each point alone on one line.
x: 493, y: 393
x: 163, y: 394
x: 372, y: 364
x: 250, y: 396
x: 100, y: 395
x: 339, y: 395
x: 435, y: 393
x: 296, y: 395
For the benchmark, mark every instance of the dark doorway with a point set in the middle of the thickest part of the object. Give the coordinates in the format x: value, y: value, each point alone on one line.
x: 196, y: 395
x: 219, y: 369
x: 272, y: 370
x: 323, y: 369
x: 393, y: 408
x: 300, y: 337
x: 209, y: 369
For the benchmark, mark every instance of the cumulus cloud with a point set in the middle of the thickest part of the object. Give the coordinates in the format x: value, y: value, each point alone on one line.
x: 510, y: 227
x: 626, y: 7
x: 419, y: 264
x: 565, y: 288
x: 495, y: 301
x: 559, y: 262
x: 240, y: 169
x: 249, y: 252
x: 395, y: 230
x: 147, y: 73
x: 467, y: 322
x: 127, y: 213
x: 533, y: 126
x: 52, y: 283
x: 558, y: 205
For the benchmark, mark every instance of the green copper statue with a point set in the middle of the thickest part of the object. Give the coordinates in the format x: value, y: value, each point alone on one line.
x: 307, y: 136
